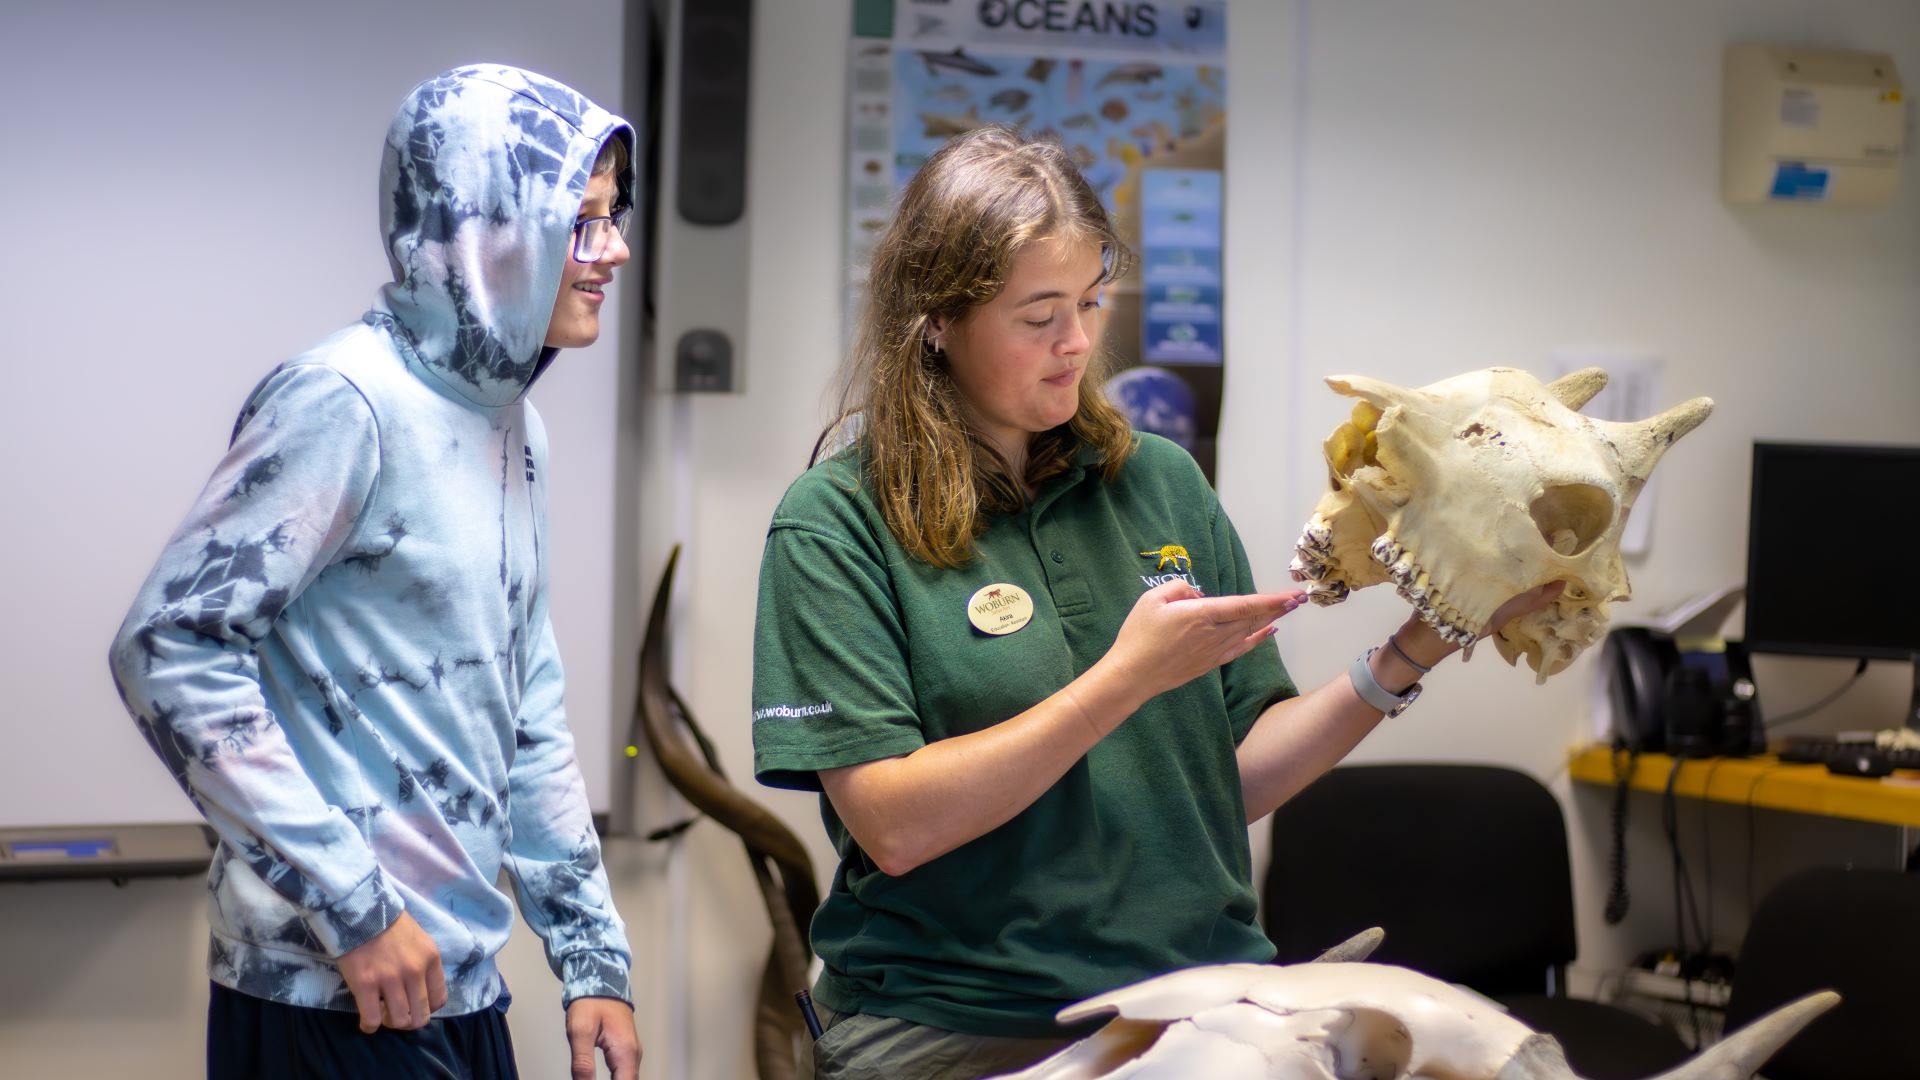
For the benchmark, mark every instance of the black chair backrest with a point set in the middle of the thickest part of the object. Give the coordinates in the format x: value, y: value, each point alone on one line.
x: 1465, y: 866
x: 1855, y: 931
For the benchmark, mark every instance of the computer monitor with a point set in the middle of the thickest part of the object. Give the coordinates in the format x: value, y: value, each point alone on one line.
x: 1832, y: 566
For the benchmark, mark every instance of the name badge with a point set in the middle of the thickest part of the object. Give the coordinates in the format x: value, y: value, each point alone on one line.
x: 1000, y: 609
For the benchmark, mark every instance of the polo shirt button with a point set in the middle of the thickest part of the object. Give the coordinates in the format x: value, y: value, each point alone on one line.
x: 1059, y: 558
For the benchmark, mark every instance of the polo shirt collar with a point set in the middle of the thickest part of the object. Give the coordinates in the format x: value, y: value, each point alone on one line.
x: 1086, y: 462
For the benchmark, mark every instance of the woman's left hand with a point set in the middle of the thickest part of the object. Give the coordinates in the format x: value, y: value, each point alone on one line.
x: 1525, y: 604
x: 1418, y: 641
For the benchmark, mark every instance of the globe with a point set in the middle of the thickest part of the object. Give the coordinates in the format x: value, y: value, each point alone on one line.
x: 1157, y: 401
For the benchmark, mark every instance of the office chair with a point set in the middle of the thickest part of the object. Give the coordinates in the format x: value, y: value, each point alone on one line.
x: 1466, y: 868
x: 1854, y: 931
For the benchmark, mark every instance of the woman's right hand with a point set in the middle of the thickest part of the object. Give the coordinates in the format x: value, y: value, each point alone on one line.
x: 981, y: 779
x: 1175, y: 634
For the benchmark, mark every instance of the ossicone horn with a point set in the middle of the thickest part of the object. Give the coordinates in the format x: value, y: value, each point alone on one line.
x: 1575, y: 389
x: 1354, y: 949
x: 1739, y: 1055
x: 1641, y: 444
x: 1383, y: 395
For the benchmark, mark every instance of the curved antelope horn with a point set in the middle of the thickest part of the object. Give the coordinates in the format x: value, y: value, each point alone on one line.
x: 1641, y: 444
x: 1575, y: 389
x: 1384, y: 395
x: 1737, y: 1056
x: 1354, y: 949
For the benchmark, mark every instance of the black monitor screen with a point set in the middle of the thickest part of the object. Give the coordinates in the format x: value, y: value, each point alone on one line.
x: 1832, y: 568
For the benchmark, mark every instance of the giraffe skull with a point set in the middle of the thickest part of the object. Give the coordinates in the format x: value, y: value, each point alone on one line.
x: 1480, y: 487
x: 1343, y: 1019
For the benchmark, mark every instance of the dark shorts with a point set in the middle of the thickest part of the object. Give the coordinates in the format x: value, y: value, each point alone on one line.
x: 860, y: 1046
x: 250, y: 1038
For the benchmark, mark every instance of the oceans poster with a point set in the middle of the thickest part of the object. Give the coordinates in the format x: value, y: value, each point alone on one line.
x: 1136, y: 93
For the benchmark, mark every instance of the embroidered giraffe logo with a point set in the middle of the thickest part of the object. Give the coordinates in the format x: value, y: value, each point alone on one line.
x: 1171, y: 553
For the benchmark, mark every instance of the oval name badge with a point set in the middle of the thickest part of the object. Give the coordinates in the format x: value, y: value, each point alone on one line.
x: 1000, y: 609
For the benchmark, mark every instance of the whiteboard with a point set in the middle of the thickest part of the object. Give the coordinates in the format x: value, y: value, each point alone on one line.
x: 189, y: 198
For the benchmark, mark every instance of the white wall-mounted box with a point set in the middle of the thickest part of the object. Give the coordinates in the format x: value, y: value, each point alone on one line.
x: 1811, y: 125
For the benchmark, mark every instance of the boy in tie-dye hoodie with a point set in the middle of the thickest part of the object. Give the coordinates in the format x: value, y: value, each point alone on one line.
x: 344, y: 654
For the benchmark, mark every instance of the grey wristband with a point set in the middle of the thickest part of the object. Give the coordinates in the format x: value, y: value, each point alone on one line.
x: 1376, y: 696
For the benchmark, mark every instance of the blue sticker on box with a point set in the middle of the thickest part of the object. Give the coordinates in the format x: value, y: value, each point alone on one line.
x: 1795, y: 180
x: 70, y: 849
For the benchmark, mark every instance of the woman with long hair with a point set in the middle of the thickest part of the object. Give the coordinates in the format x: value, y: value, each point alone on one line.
x: 1018, y: 649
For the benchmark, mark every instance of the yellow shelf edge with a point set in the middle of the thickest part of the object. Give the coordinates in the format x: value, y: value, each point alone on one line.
x: 1764, y: 782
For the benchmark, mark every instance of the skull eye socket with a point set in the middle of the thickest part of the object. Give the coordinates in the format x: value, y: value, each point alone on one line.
x: 1572, y: 517
x: 1374, y: 1044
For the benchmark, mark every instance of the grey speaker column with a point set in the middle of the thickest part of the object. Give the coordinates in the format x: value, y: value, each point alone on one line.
x: 701, y: 274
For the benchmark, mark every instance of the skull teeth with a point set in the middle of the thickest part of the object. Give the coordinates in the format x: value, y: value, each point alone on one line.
x: 1312, y: 554
x: 1418, y: 591
x: 1416, y: 586
x: 1386, y: 551
x: 1312, y: 563
x: 1323, y: 593
x: 1447, y: 625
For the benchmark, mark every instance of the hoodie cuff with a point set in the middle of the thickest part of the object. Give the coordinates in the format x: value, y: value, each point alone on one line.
x: 595, y: 973
x: 358, y: 917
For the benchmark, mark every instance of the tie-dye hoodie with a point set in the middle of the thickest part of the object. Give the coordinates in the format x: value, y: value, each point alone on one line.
x: 344, y: 654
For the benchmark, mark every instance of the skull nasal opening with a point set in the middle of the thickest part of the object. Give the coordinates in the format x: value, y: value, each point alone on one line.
x: 1572, y: 517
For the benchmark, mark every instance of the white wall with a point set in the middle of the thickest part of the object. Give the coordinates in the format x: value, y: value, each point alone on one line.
x: 1438, y: 187
x: 191, y: 196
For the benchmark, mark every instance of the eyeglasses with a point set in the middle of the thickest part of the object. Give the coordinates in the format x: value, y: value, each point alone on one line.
x: 591, y: 236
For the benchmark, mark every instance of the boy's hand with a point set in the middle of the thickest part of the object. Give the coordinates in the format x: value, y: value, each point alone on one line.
x: 608, y: 1024
x: 400, y: 968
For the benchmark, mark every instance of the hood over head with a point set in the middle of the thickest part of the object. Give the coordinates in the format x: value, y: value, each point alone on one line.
x: 482, y: 178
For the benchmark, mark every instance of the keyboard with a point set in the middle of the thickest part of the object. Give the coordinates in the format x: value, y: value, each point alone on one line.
x: 1869, y: 753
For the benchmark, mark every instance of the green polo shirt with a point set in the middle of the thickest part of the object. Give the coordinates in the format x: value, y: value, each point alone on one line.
x: 1134, y: 864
